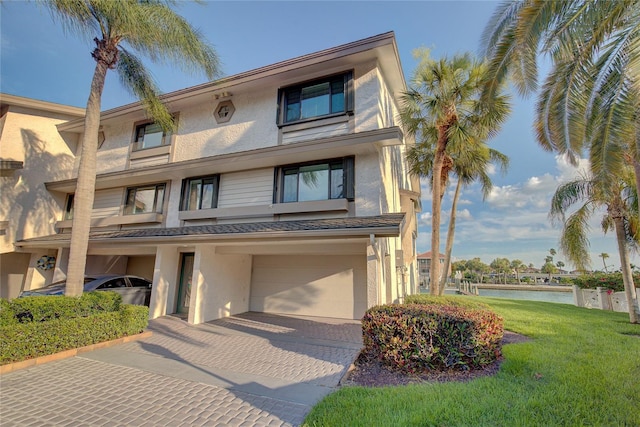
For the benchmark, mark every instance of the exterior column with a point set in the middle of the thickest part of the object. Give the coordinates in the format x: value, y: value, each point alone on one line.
x: 373, y: 277
x: 62, y: 262
x: 221, y: 284
x: 165, y: 281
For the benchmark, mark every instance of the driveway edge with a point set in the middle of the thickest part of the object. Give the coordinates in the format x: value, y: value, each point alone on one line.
x: 11, y: 367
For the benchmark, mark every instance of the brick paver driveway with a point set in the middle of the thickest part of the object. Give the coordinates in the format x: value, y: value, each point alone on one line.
x: 253, y: 369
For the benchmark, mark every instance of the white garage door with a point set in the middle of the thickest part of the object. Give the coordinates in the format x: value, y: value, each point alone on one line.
x: 310, y: 285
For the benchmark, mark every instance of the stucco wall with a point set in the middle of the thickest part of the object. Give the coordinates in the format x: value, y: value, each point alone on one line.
x: 24, y: 201
x: 13, y: 267
x: 222, y: 285
x: 252, y: 126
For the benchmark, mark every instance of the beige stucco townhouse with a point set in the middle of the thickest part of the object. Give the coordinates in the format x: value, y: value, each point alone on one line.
x: 284, y: 190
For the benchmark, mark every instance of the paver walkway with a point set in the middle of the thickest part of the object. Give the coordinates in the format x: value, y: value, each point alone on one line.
x: 253, y: 369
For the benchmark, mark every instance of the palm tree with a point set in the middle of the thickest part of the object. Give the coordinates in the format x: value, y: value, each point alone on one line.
x: 616, y: 194
x: 151, y: 28
x: 604, y: 256
x: 591, y: 97
x: 517, y: 264
x: 470, y: 163
x: 441, y: 109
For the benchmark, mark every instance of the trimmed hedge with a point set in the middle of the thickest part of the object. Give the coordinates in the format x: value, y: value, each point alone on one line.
x: 448, y: 300
x: 44, y: 308
x: 611, y: 281
x: 59, y: 323
x: 414, y: 337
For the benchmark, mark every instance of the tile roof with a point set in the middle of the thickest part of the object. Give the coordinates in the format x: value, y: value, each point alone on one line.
x: 381, y: 225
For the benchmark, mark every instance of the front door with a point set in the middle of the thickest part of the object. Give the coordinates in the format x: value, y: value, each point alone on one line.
x: 184, y: 289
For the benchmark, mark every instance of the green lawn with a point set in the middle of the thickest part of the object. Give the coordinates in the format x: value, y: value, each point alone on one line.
x: 581, y: 368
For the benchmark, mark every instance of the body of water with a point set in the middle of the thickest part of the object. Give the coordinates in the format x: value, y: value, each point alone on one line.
x: 547, y: 296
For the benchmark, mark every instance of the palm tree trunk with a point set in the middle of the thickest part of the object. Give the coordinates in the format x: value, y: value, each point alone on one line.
x: 436, y: 208
x: 450, y: 233
x: 625, y: 266
x: 85, y: 188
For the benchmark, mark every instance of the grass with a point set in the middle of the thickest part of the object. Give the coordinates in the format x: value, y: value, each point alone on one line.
x: 582, y: 367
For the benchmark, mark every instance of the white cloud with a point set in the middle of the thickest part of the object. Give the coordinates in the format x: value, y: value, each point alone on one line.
x: 464, y: 214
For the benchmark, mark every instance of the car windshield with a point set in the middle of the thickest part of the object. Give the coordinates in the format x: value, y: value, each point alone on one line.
x: 61, y: 283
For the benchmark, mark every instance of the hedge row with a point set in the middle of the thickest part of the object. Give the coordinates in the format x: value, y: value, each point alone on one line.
x: 59, y: 323
x: 44, y: 308
x: 611, y: 281
x: 448, y: 300
x: 415, y: 338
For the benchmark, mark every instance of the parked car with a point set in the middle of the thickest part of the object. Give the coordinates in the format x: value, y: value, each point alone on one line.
x: 134, y: 289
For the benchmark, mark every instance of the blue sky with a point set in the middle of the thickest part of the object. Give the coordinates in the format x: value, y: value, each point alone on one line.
x: 38, y: 60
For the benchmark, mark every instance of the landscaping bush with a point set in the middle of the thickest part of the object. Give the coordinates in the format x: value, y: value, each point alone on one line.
x: 57, y: 323
x: 414, y: 337
x: 611, y: 281
x: 44, y: 308
x: 448, y: 300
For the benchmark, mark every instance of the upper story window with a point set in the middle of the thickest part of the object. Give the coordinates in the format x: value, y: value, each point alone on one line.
x: 320, y: 98
x: 150, y: 135
x: 324, y: 180
x: 200, y: 193
x: 68, y: 209
x: 145, y: 199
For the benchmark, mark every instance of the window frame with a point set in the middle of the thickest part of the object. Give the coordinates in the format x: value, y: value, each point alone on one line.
x: 158, y: 206
x: 348, y: 179
x: 184, y: 194
x: 136, y: 144
x: 348, y: 99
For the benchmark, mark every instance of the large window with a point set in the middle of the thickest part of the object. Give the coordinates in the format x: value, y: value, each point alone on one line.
x: 145, y: 199
x: 332, y: 179
x: 200, y: 193
x: 150, y: 135
x: 319, y: 98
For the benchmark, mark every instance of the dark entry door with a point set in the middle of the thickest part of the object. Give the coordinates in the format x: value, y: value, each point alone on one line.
x: 184, y: 288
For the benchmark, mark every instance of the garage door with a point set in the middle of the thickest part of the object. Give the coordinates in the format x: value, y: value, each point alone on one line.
x: 318, y: 285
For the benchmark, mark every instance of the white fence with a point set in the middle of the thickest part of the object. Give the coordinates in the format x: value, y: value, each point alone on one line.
x: 602, y: 299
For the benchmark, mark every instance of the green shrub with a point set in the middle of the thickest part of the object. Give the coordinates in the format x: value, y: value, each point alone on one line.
x: 21, y: 341
x: 448, y: 300
x: 414, y: 338
x: 611, y: 281
x: 7, y: 315
x: 44, y: 308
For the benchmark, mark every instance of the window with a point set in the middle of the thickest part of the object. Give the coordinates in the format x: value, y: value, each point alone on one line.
x: 68, y: 210
x: 146, y: 199
x: 150, y: 135
x: 113, y: 284
x: 319, y: 98
x: 138, y: 282
x: 329, y: 179
x: 200, y: 193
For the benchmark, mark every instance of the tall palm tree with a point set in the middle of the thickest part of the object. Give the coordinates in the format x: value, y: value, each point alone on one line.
x: 593, y: 89
x: 604, y: 256
x: 151, y: 28
x: 470, y: 163
x: 616, y: 194
x: 442, y: 108
x: 517, y: 265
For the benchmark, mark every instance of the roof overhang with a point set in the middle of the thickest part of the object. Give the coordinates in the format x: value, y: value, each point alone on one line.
x: 381, y: 49
x: 334, y: 146
x: 388, y: 225
x: 35, y: 104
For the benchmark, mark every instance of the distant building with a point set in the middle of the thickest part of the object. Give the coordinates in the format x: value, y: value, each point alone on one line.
x: 424, y: 267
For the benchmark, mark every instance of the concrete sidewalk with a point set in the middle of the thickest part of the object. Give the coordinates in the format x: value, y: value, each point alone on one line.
x: 253, y: 369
